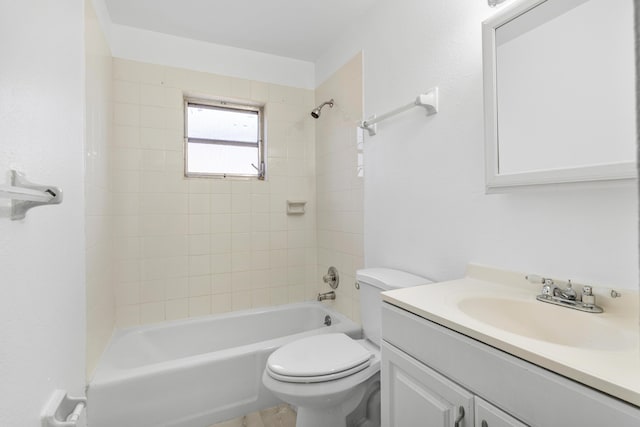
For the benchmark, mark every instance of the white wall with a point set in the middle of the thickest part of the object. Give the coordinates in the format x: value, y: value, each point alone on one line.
x: 42, y: 302
x: 425, y: 207
x: 163, y: 49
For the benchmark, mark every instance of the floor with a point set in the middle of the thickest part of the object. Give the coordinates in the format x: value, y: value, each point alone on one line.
x: 278, y: 416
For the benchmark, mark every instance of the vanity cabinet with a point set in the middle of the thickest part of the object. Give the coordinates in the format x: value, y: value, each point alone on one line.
x: 487, y: 415
x: 429, y: 372
x: 416, y: 395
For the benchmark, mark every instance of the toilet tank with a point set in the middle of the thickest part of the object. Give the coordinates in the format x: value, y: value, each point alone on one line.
x: 372, y: 282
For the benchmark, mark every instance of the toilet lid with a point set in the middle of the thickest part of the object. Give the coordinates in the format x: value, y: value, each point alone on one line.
x: 318, y: 358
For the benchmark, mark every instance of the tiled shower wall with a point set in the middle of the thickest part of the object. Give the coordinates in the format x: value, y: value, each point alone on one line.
x: 340, y: 171
x: 194, y: 246
x: 100, y: 294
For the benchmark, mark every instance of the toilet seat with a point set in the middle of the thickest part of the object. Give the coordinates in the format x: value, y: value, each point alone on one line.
x: 318, y: 358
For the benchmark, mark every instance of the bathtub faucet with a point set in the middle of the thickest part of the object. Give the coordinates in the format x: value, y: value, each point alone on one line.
x: 327, y: 295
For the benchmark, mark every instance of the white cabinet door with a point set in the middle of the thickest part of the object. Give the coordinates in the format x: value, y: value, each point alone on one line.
x: 413, y: 395
x: 488, y: 415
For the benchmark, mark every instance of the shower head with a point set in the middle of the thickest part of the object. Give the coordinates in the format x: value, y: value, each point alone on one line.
x: 315, y: 113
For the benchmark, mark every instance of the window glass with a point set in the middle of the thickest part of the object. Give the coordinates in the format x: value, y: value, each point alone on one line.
x: 221, y: 159
x: 222, y: 124
x: 223, y: 140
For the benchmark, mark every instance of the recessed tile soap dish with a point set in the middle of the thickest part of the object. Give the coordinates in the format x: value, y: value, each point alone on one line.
x: 296, y: 207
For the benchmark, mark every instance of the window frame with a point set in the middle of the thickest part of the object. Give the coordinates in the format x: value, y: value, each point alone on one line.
x: 228, y: 106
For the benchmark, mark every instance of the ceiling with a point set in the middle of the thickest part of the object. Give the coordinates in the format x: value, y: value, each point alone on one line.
x: 300, y: 29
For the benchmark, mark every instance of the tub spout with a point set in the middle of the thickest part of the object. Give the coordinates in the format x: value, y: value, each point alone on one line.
x: 327, y: 295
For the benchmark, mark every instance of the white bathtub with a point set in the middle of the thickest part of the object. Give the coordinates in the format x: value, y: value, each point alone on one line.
x: 197, y: 372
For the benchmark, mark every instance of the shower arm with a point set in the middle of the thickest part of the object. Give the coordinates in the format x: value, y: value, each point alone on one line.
x: 330, y: 103
x: 315, y: 113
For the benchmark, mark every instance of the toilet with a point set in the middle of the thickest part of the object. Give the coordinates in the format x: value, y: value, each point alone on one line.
x: 333, y: 379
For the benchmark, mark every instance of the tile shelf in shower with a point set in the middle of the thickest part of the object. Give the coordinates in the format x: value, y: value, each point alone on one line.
x: 296, y: 207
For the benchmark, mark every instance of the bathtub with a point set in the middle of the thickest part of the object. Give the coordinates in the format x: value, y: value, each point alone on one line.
x: 197, y: 372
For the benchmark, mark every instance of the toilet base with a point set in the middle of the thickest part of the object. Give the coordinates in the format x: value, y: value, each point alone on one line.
x: 342, y: 415
x: 311, y: 417
x: 335, y: 403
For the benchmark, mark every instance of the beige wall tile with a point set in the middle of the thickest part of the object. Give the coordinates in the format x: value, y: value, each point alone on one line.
x: 152, y: 312
x: 176, y: 309
x: 221, y: 283
x: 125, y: 136
x: 240, y: 300
x: 152, y: 291
x: 176, y: 288
x: 126, y: 92
x: 153, y: 160
x: 199, y: 285
x: 221, y: 303
x: 126, y: 114
x: 127, y: 315
x: 151, y: 95
x: 199, y: 204
x: 201, y: 245
x: 339, y: 185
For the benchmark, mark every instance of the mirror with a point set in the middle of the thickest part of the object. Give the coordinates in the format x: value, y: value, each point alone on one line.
x: 559, y: 82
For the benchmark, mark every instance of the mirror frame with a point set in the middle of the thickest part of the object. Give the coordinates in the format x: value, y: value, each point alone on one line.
x: 494, y: 181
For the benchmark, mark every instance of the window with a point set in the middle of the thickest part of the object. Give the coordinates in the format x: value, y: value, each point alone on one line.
x: 223, y: 139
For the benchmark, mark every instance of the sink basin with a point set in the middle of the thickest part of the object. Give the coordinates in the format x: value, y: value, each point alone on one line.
x: 546, y: 322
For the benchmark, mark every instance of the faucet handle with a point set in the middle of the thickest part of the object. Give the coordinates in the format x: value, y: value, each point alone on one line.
x: 547, y: 289
x: 545, y: 281
x: 534, y: 278
x: 588, y: 298
x: 547, y: 284
x: 332, y: 277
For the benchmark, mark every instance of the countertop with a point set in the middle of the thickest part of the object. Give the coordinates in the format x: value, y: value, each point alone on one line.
x: 601, y: 363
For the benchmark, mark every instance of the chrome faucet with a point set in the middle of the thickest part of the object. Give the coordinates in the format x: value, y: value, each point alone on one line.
x: 566, y: 297
x: 566, y: 293
x: 332, y: 278
x: 548, y: 287
x: 326, y: 296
